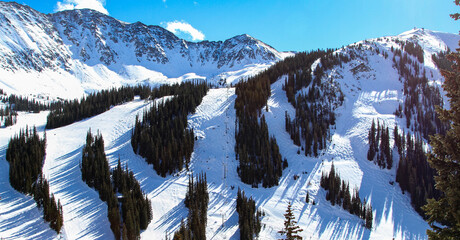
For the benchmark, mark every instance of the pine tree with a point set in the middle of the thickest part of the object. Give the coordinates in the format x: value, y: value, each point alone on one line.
x: 445, y: 158
x: 371, y: 151
x: 196, y: 200
x: 161, y: 135
x: 369, y: 217
x: 248, y: 217
x: 291, y: 229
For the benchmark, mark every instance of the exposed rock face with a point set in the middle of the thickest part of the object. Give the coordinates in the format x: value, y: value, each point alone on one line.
x: 36, y: 41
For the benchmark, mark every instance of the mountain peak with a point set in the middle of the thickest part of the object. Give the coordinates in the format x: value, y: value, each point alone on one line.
x: 416, y: 32
x: 86, y: 45
x: 243, y: 36
x: 15, y: 5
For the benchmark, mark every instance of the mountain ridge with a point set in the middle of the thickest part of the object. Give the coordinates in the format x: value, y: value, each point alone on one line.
x: 370, y: 74
x: 89, y: 47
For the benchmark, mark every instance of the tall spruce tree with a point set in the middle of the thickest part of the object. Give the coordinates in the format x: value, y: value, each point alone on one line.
x: 444, y: 213
x: 291, y: 229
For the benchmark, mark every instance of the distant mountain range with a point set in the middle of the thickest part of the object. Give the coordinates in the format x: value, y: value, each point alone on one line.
x: 89, y: 47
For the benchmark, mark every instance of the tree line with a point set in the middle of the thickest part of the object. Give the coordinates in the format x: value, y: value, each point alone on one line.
x: 313, y: 100
x: 25, y: 154
x: 13, y: 104
x: 8, y: 117
x: 161, y: 136
x: 301, y: 77
x: 414, y: 174
x: 135, y: 206
x: 95, y: 172
x: 136, y: 209
x: 52, y: 211
x: 420, y: 98
x: 414, y: 49
x: 252, y: 94
x: 257, y: 152
x: 249, y: 217
x: 338, y: 192
x: 20, y: 103
x: 196, y: 200
x: 68, y: 112
x: 379, y: 145
x: 441, y: 60
x: 312, y: 119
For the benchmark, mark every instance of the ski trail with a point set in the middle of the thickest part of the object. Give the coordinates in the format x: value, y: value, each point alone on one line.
x: 19, y: 216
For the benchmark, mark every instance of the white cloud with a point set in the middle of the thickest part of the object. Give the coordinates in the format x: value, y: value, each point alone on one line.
x: 184, y: 27
x: 97, y: 5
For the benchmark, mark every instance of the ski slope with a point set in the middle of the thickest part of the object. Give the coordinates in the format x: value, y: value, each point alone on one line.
x: 85, y: 215
x: 369, y: 95
x: 19, y: 216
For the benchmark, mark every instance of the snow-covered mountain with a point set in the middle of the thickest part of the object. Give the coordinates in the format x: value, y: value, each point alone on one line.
x: 80, y: 55
x: 67, y: 53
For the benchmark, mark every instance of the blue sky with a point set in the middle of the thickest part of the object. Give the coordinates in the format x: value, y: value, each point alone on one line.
x: 296, y: 25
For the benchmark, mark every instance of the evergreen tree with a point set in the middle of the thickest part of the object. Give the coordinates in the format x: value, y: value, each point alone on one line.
x: 338, y: 192
x: 26, y: 153
x: 136, y: 207
x: 196, y: 200
x: 95, y: 171
x: 314, y: 108
x: 311, y: 123
x: 248, y: 217
x: 414, y: 174
x: 445, y: 158
x: 371, y: 151
x: 68, y: 112
x: 291, y: 229
x: 162, y: 136
x: 52, y: 211
x: 369, y: 217
x: 379, y: 145
x: 420, y: 98
x: 183, y: 233
x: 258, y: 154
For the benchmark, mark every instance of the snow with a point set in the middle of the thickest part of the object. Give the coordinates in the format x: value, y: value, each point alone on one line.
x: 68, y: 54
x: 19, y: 216
x: 370, y: 95
x: 233, y: 77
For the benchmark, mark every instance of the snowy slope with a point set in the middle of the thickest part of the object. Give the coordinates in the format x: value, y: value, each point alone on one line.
x: 374, y: 93
x: 370, y: 94
x: 19, y: 216
x: 69, y: 53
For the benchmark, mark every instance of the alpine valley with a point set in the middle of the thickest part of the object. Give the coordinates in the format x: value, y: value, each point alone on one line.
x: 246, y: 118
